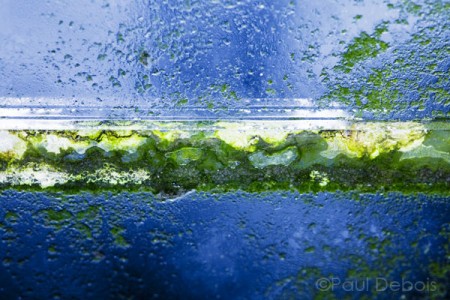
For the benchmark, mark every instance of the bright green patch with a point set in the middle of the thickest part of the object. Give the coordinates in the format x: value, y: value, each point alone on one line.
x: 366, y: 157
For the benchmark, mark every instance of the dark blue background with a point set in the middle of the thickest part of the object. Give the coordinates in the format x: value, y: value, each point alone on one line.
x: 202, y: 246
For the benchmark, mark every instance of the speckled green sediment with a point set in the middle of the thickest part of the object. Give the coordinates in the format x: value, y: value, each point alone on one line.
x: 171, y: 160
x: 417, y: 65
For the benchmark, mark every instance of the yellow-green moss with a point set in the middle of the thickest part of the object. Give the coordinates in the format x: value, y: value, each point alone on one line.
x: 409, y: 157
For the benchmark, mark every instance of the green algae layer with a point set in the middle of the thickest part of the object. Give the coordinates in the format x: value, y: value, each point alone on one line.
x: 171, y: 159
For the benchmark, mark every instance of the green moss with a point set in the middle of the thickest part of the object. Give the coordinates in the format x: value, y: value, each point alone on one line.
x: 10, y: 215
x: 143, y: 58
x: 285, y: 157
x: 270, y: 91
x: 57, y: 218
x: 182, y: 102
x: 90, y: 214
x: 413, y: 8
x: 119, y: 240
x: 392, y: 157
x: 361, y: 48
x: 310, y: 249
x: 403, y: 78
x: 84, y: 229
x: 58, y: 215
x: 185, y: 155
x: 52, y: 249
x: 438, y: 139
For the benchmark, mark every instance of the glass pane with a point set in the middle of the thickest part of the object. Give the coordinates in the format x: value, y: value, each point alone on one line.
x: 236, y: 149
